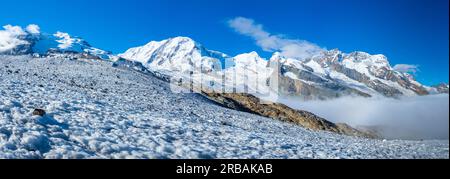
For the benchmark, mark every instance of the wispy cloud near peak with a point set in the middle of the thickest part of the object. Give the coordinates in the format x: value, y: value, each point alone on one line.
x: 293, y: 48
x: 407, y: 68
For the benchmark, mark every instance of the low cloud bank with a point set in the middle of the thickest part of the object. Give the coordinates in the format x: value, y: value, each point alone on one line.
x: 421, y: 117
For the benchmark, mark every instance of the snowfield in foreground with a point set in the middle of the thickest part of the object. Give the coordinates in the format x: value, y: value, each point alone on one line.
x: 95, y: 110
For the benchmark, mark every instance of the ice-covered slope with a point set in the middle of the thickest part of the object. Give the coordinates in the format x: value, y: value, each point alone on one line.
x: 17, y: 41
x: 95, y: 110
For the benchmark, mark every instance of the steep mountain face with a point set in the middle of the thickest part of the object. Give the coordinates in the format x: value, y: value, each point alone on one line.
x: 334, y: 73
x: 331, y: 74
x: 16, y: 41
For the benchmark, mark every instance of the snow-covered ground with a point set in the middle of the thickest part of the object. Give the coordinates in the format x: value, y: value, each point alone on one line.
x: 95, y: 110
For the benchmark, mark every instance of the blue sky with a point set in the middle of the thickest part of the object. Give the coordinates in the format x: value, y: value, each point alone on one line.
x: 406, y: 31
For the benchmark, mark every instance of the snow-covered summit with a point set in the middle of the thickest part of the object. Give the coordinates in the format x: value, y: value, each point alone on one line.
x: 15, y: 40
x: 250, y: 59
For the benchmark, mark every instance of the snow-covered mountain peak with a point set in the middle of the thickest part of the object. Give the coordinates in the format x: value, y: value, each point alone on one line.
x: 359, y: 55
x: 253, y: 53
x: 325, y: 58
x: 180, y: 54
x: 367, y: 64
x: 64, y: 42
x: 277, y: 58
x: 252, y: 56
x: 183, y: 42
x: 187, y: 44
x: 16, y: 40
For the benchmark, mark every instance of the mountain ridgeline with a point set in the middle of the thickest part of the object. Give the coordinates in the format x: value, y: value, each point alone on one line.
x: 328, y: 75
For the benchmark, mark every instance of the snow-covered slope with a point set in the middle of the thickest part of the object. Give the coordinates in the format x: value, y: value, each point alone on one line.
x: 17, y: 41
x: 121, y: 112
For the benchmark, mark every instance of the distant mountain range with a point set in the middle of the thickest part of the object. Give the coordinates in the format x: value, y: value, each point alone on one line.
x: 328, y: 75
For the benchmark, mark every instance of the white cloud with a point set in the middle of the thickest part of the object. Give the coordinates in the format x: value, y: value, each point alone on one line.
x: 406, y: 68
x: 419, y: 117
x: 11, y: 37
x: 293, y: 48
x: 33, y: 29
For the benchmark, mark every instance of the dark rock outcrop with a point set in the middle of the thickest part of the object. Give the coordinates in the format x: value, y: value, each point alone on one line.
x: 251, y: 104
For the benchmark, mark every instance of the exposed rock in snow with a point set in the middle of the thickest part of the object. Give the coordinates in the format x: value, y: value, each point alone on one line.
x: 39, y: 112
x: 179, y: 54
